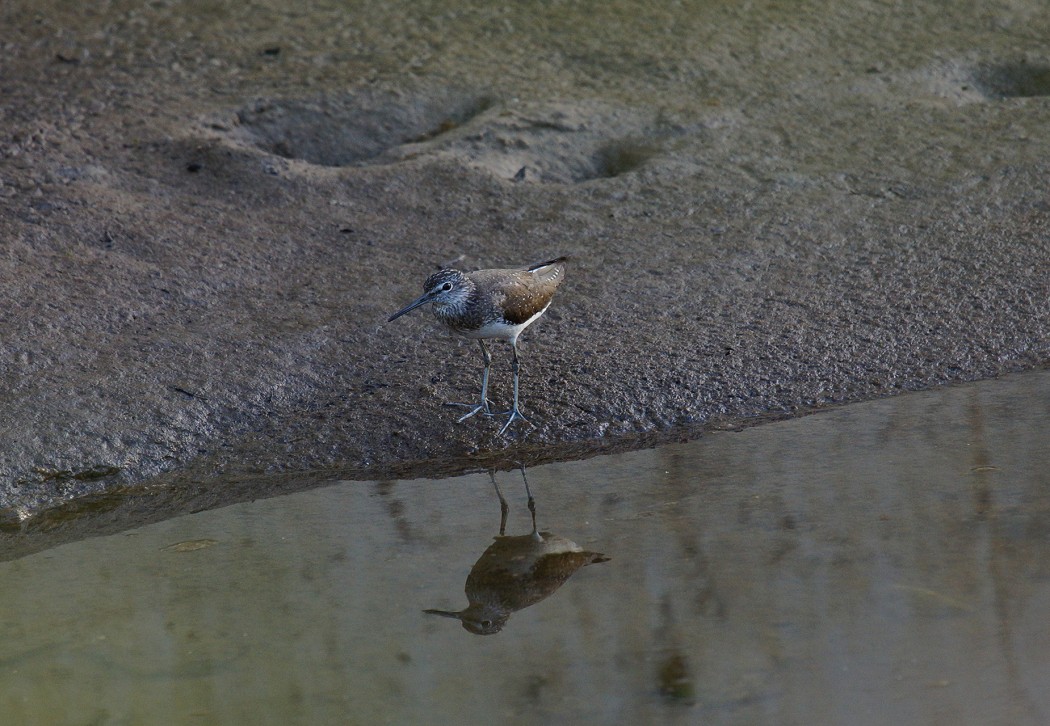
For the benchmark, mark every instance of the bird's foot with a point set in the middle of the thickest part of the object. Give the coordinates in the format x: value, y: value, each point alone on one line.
x: 482, y: 408
x: 514, y: 414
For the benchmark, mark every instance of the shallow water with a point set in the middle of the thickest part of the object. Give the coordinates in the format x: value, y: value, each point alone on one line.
x: 887, y: 562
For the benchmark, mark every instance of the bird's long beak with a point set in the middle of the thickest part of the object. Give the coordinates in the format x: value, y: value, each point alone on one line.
x: 445, y: 614
x: 421, y: 300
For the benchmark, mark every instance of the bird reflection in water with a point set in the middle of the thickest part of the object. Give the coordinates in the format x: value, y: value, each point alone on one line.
x: 516, y: 572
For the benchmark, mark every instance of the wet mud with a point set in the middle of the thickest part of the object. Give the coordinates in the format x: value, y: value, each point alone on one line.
x: 208, y: 216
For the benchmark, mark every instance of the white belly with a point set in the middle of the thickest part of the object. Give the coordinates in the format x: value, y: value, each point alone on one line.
x: 503, y: 331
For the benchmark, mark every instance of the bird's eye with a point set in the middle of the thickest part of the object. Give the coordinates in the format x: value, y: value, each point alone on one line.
x: 447, y: 286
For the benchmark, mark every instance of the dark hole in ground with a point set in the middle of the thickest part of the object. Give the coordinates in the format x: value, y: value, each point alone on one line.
x: 1013, y: 80
x: 619, y: 157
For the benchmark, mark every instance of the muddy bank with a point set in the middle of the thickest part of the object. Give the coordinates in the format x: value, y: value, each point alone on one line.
x: 207, y: 218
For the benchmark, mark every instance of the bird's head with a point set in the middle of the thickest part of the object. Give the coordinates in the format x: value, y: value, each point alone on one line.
x: 477, y: 618
x: 445, y: 288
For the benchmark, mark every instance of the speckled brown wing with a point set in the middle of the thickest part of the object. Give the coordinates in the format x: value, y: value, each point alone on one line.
x: 527, y: 293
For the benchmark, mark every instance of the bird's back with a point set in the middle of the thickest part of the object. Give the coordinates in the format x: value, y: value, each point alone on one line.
x: 521, y: 294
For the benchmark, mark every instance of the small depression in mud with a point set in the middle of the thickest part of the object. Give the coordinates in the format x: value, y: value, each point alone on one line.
x: 1013, y: 80
x: 983, y: 81
x: 357, y: 128
x: 564, y: 143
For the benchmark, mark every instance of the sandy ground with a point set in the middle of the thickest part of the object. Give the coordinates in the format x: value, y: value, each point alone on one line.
x: 208, y: 212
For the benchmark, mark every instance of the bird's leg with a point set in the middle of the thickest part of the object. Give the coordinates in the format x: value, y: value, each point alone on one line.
x: 514, y: 412
x: 532, y: 501
x: 483, y: 407
x: 504, y: 508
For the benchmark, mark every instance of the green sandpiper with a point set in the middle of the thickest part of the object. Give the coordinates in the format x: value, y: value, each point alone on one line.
x: 488, y: 304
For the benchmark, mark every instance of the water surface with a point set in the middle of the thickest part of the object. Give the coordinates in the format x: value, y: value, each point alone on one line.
x: 887, y: 562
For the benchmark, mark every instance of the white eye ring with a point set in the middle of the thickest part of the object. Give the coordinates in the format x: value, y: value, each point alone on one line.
x: 447, y: 286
